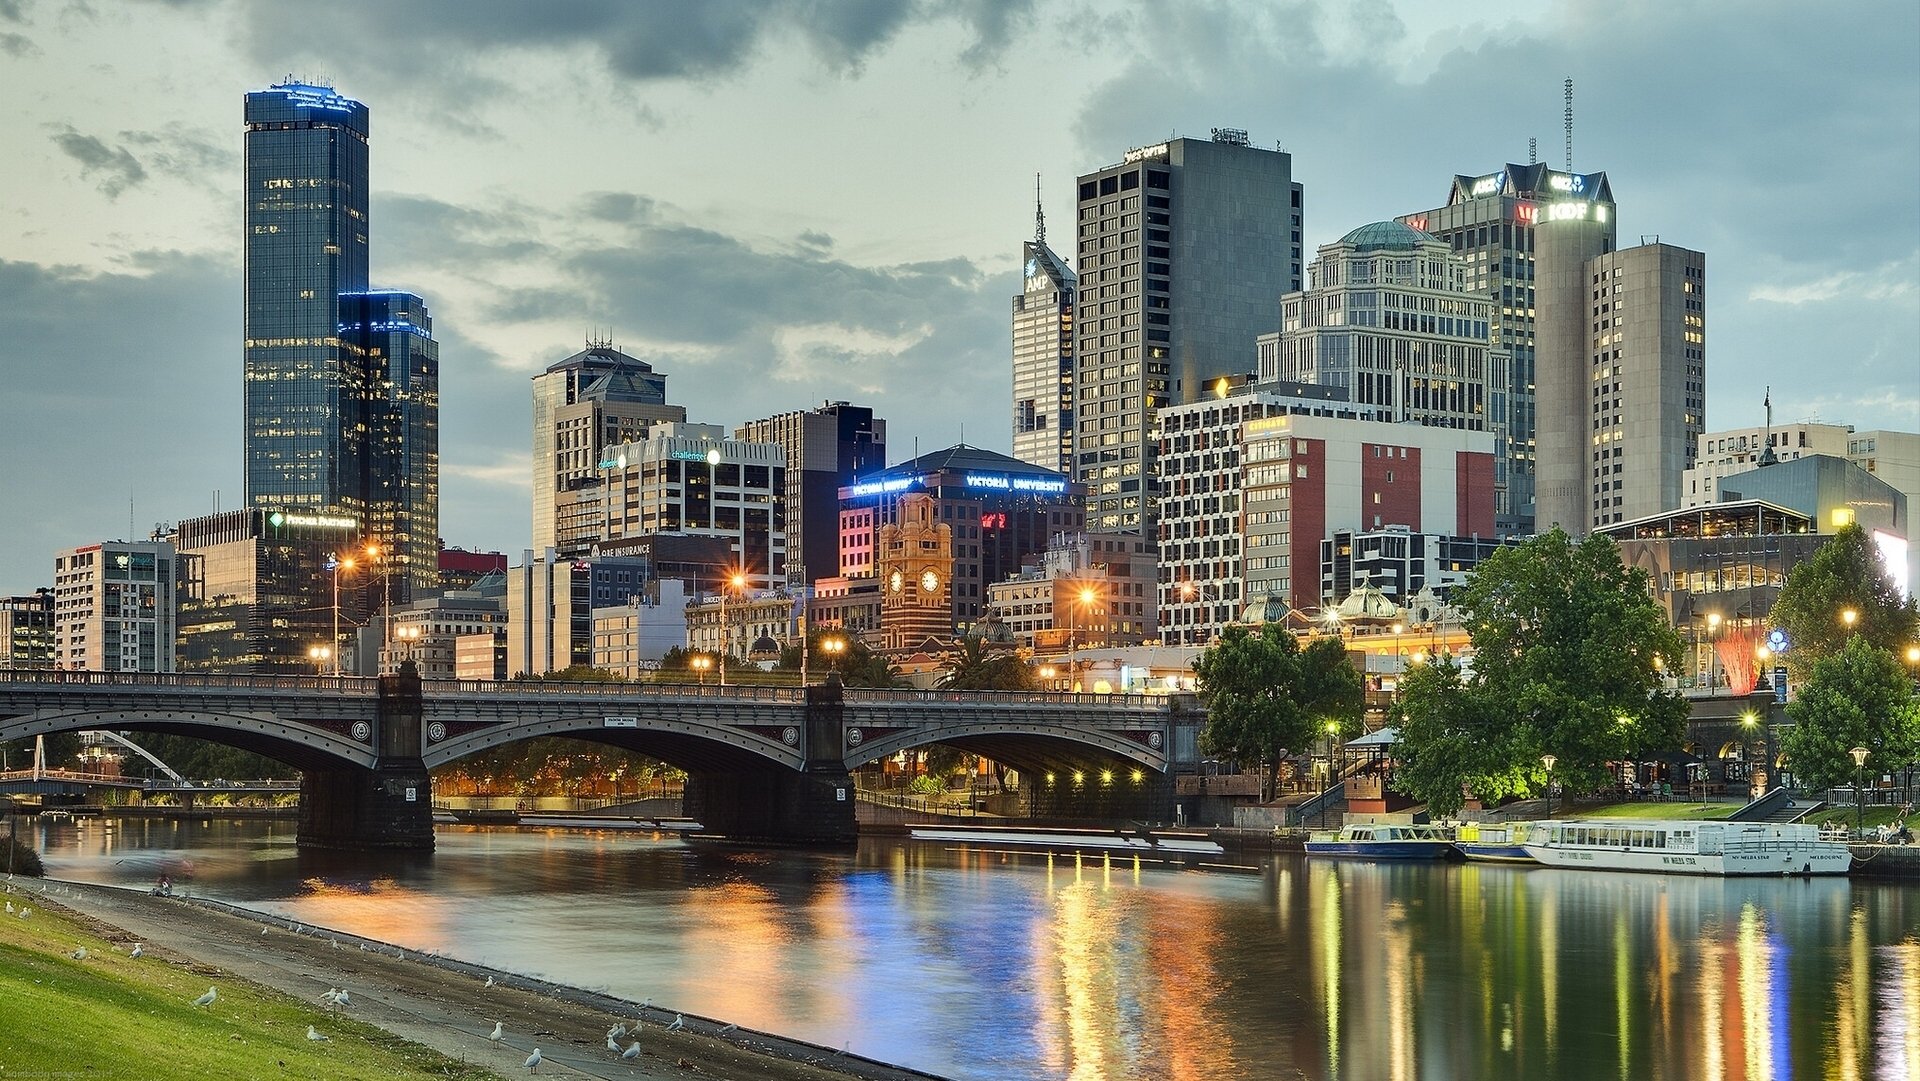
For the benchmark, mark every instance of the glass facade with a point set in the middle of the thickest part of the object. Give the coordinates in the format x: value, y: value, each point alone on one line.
x: 305, y: 244
x: 389, y: 335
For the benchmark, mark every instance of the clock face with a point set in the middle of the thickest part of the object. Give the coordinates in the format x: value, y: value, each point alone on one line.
x: 930, y: 582
x: 896, y: 582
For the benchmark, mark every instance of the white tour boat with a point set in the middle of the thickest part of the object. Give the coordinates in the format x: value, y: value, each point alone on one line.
x: 1686, y: 848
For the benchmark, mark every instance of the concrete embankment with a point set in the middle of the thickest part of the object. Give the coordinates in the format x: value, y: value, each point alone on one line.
x: 448, y: 1005
x: 1886, y: 861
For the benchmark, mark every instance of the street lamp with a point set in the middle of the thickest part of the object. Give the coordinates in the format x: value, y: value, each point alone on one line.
x: 1748, y: 722
x: 1859, y: 783
x: 1189, y: 591
x: 1084, y: 597
x: 833, y: 646
x: 1848, y: 617
x: 1548, y: 760
x: 320, y: 655
x: 407, y: 635
x: 700, y: 664
x: 736, y: 580
x: 336, y: 563
x: 1713, y: 651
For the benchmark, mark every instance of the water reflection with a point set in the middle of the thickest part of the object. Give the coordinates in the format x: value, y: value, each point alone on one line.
x: 1017, y: 965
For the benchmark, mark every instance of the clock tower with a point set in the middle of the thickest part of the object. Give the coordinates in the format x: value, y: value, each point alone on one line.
x: 915, y: 561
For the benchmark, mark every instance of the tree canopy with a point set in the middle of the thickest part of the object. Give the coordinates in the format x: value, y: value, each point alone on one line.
x: 1845, y: 575
x: 972, y: 666
x: 1857, y: 697
x: 1568, y: 645
x: 1268, y: 698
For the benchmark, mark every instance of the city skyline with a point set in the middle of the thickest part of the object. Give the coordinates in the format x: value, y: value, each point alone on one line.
x: 779, y: 209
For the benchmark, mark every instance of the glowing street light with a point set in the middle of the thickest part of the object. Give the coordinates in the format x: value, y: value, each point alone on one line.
x: 734, y: 581
x: 700, y: 663
x: 1548, y: 760
x: 320, y: 655
x: 833, y: 646
x: 1084, y: 597
x: 336, y: 563
x: 1859, y: 782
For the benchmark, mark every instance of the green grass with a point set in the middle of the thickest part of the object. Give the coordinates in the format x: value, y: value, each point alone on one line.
x: 114, y: 1016
x: 1665, y: 810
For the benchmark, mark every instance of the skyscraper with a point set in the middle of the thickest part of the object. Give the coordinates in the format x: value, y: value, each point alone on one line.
x: 1492, y: 221
x: 595, y: 399
x: 1569, y: 235
x: 826, y: 450
x: 390, y: 336
x: 305, y: 246
x: 1043, y: 354
x: 1184, y: 249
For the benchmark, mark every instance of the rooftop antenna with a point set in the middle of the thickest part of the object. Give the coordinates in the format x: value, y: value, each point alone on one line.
x: 1767, y: 457
x: 1569, y: 123
x: 1039, y: 216
x: 1533, y: 151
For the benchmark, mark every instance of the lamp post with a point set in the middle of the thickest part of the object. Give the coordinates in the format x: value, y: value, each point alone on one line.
x: 1748, y: 722
x: 833, y: 646
x: 336, y: 563
x: 1047, y: 672
x: 1189, y: 590
x: 320, y: 655
x: 1548, y: 760
x: 736, y: 580
x: 1333, y: 733
x: 1713, y: 652
x: 1859, y: 784
x: 700, y: 664
x: 407, y: 636
x: 374, y: 551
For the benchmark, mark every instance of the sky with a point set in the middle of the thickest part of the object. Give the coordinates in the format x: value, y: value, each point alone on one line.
x: 781, y: 204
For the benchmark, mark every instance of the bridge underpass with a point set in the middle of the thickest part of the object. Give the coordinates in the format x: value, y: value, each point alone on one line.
x: 764, y: 764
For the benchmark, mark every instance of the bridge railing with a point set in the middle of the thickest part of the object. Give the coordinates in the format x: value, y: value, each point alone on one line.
x: 539, y: 689
x: 1145, y: 702
x: 190, y: 680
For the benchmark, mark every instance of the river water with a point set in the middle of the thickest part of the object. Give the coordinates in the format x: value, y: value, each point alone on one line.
x: 1008, y: 966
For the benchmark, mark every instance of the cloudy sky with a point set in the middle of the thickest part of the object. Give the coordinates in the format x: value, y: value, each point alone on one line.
x: 778, y: 204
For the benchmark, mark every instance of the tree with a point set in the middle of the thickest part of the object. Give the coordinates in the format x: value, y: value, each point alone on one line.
x: 1567, y: 648
x: 1858, y: 697
x: 1844, y: 575
x: 975, y: 667
x: 1266, y: 697
x: 1449, y: 741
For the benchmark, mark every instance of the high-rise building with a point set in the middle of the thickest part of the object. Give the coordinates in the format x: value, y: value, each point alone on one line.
x: 1493, y: 222
x: 26, y: 630
x: 1568, y: 237
x: 1638, y: 420
x: 1184, y: 249
x: 391, y: 335
x: 1043, y: 354
x: 267, y: 592
x: 827, y: 449
x: 595, y: 399
x: 1389, y: 318
x: 550, y: 603
x: 113, y: 607
x: 305, y: 245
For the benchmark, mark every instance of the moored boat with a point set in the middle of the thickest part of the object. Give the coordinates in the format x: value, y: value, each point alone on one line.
x: 1493, y: 842
x: 1370, y: 841
x: 1687, y: 848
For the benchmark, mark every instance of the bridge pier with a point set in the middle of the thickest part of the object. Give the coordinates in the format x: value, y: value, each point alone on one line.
x: 387, y: 807
x: 812, y: 807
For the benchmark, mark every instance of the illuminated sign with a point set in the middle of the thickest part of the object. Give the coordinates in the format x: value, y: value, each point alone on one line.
x: 1526, y: 212
x: 997, y: 520
x: 1576, y: 212
x: 1418, y: 221
x: 1487, y: 185
x: 1268, y: 425
x: 1003, y: 482
x: 311, y: 521
x: 1140, y: 153
x: 1571, y: 183
x: 688, y: 456
x: 881, y: 487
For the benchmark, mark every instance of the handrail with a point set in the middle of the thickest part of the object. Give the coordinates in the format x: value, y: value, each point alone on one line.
x: 1144, y: 702
x: 538, y: 689
x: 193, y: 680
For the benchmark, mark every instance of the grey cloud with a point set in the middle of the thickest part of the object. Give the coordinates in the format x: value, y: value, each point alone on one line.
x: 18, y: 45
x: 420, y: 231
x: 184, y: 155
x: 117, y: 168
x: 13, y: 11
x: 82, y: 428
x: 617, y: 206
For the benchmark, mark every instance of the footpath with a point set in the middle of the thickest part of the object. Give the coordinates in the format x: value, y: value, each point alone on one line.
x: 448, y: 1005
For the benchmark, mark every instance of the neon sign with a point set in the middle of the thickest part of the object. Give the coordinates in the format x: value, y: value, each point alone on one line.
x: 996, y: 520
x: 1576, y: 212
x: 1487, y: 185
x: 1004, y: 482
x: 880, y: 487
x: 315, y: 521
x: 1572, y: 183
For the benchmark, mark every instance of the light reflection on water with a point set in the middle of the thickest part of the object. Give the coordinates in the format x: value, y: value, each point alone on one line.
x: 976, y: 964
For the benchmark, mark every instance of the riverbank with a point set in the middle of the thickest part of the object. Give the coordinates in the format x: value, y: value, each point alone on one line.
x: 435, y: 1002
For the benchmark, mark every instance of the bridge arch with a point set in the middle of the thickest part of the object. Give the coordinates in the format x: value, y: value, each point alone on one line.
x: 1032, y: 746
x: 690, y: 745
x: 298, y: 744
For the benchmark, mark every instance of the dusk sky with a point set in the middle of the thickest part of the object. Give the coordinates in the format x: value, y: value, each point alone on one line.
x: 778, y: 204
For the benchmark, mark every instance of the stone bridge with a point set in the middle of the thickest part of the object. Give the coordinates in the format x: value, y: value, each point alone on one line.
x: 763, y: 763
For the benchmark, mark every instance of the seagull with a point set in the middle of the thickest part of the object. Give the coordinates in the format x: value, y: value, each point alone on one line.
x: 611, y: 1045
x: 332, y: 993
x: 137, y: 950
x: 25, y: 912
x: 498, y: 1033
x: 314, y: 1034
x: 206, y: 999
x: 79, y: 954
x: 9, y: 908
x: 679, y: 1021
x: 343, y: 999
x: 489, y: 981
x: 618, y: 1030
x: 334, y: 942
x: 263, y: 932
x: 728, y: 1029
x: 631, y: 1052
x: 533, y: 1060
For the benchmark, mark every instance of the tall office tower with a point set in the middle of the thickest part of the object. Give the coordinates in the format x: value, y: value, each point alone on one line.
x: 26, y: 630
x: 1043, y: 354
x: 273, y: 592
x: 1389, y: 318
x: 1494, y: 221
x: 826, y: 449
x: 690, y: 479
x: 390, y: 335
x: 1568, y: 237
x: 594, y: 399
x: 1184, y: 249
x: 1646, y: 381
x: 305, y: 245
x: 113, y: 607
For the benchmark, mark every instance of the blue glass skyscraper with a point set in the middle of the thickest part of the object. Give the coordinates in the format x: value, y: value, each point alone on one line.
x: 389, y: 337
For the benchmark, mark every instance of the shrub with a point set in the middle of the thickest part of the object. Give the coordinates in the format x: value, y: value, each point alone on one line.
x: 924, y: 785
x: 21, y: 856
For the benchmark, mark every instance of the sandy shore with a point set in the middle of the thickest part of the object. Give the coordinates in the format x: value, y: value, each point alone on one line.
x: 446, y: 1004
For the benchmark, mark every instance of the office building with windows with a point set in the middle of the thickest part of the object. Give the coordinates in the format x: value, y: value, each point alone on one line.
x: 595, y: 399
x: 1736, y: 450
x: 1184, y: 249
x: 1492, y: 221
x: 550, y: 602
x: 26, y: 630
x: 1043, y: 356
x: 113, y: 607
x: 390, y: 334
x: 827, y: 449
x: 258, y: 591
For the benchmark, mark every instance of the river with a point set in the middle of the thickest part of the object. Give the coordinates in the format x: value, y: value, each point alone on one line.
x: 1019, y: 966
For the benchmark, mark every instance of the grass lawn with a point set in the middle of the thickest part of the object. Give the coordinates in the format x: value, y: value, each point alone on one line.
x: 1668, y: 809
x: 115, y: 1016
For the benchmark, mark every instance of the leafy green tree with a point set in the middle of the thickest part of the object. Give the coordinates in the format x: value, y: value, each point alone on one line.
x: 1567, y: 648
x: 1449, y: 741
x: 1266, y: 698
x: 1858, y: 697
x: 1845, y: 575
x: 975, y: 667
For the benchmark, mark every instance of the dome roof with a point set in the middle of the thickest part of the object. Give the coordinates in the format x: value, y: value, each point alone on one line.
x: 1388, y: 236
x: 1268, y: 609
x: 1366, y: 603
x: 764, y: 646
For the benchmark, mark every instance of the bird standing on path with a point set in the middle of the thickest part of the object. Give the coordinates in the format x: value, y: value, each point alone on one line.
x: 314, y: 1034
x: 533, y: 1061
x: 631, y: 1053
x: 343, y: 999
x: 79, y: 954
x: 207, y: 999
x: 137, y: 950
x: 499, y: 1032
x: 489, y: 981
x: 611, y: 1045
x: 679, y: 1022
